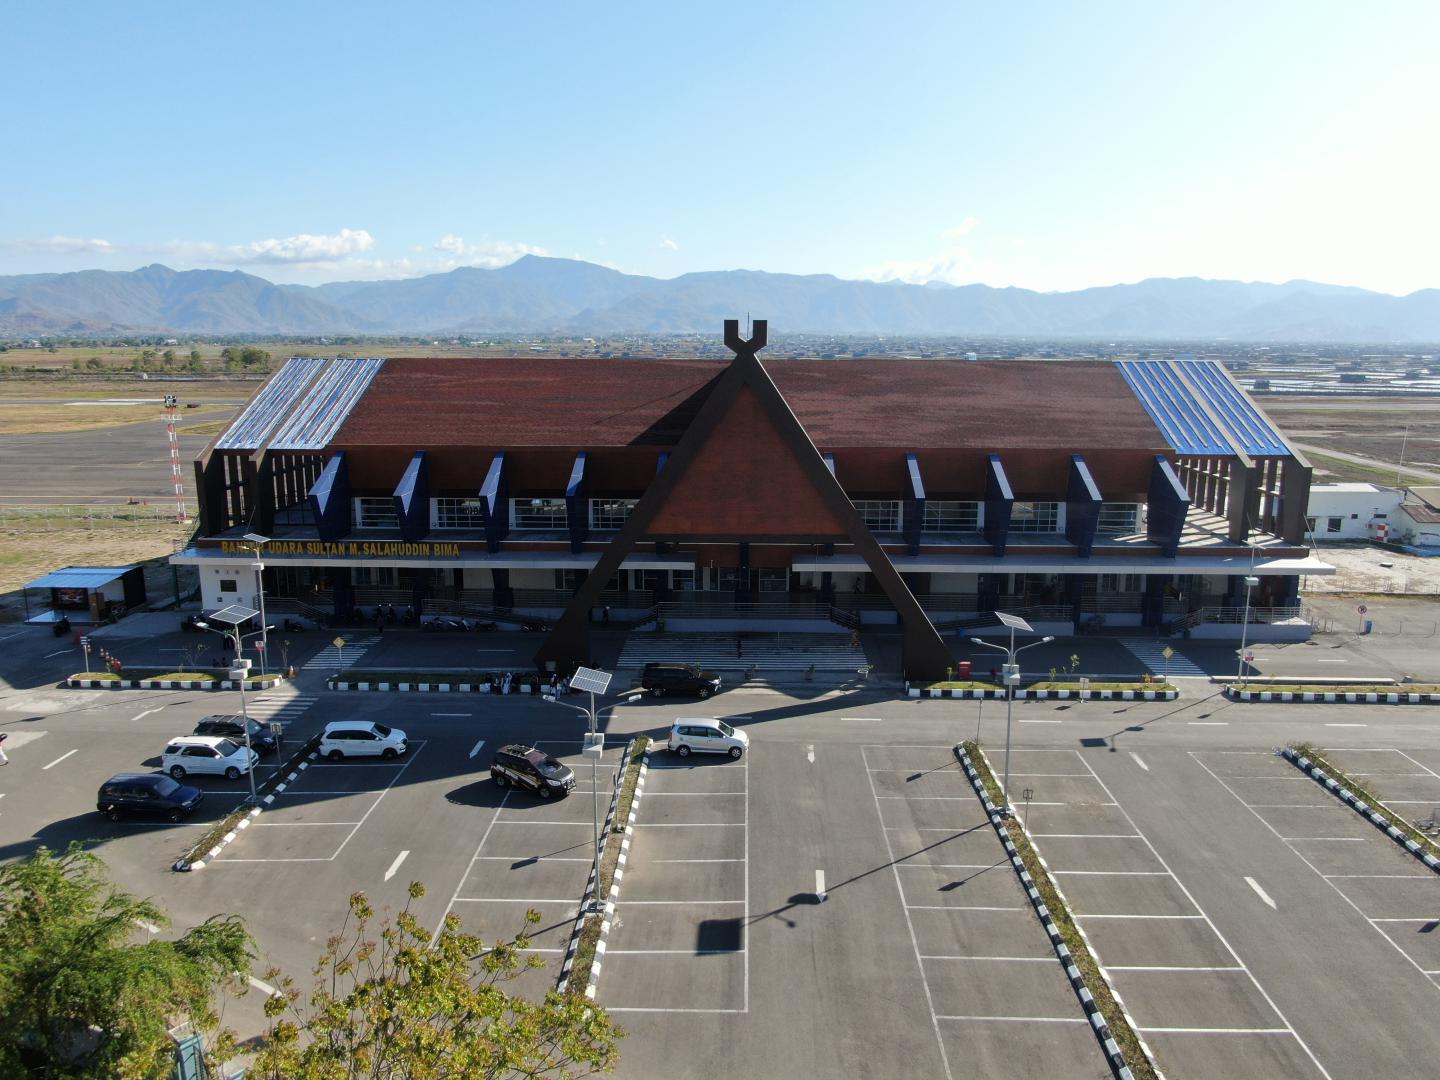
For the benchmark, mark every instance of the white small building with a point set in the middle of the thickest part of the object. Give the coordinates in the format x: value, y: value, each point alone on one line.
x: 1352, y: 511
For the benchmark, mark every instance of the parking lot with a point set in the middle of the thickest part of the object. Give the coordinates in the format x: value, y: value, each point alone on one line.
x: 534, y: 854
x: 678, y: 942
x: 1192, y: 999
x: 998, y: 997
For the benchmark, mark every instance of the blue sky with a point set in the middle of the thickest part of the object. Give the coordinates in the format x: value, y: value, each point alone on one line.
x: 1049, y: 146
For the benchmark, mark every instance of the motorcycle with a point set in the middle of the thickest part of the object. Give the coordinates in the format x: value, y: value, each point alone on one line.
x: 191, y: 624
x: 62, y: 627
x: 293, y: 627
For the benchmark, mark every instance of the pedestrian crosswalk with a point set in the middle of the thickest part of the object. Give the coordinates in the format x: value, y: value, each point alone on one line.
x: 1150, y: 652
x: 331, y: 658
x: 272, y: 706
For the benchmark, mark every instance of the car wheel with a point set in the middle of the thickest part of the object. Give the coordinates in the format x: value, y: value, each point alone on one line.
x: 683, y: 751
x: 113, y: 814
x: 543, y: 791
x: 389, y: 753
x: 657, y: 691
x: 176, y: 815
x: 232, y: 773
x: 177, y: 772
x: 501, y: 780
x: 336, y: 754
x: 735, y: 752
x: 705, y: 691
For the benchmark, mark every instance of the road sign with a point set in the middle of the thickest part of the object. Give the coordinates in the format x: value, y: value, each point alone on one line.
x: 1167, y: 652
x: 1249, y: 658
x: 339, y: 642
x: 85, y: 642
x: 260, y: 645
x: 1361, y: 609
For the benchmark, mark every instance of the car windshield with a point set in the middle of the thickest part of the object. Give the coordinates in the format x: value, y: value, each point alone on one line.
x: 382, y: 731
x: 725, y: 729
x: 164, y: 786
x: 226, y: 748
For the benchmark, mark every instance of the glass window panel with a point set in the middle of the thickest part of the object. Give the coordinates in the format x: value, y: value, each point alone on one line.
x: 610, y: 513
x: 538, y: 514
x: 375, y: 512
x: 947, y: 516
x: 1119, y: 518
x: 1035, y: 517
x: 459, y: 514
x: 879, y: 515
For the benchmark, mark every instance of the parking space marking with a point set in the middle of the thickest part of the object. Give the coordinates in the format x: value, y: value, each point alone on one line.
x: 1139, y: 761
x: 1374, y: 922
x: 1175, y: 918
x: 394, y: 866
x: 1208, y: 723
x: 1264, y: 896
x: 458, y: 714
x: 1168, y: 967
x: 59, y: 759
x: 1212, y: 1031
x: 810, y: 753
x: 820, y: 885
x: 1428, y: 771
x: 147, y: 712
x: 1022, y: 1019
x: 1110, y: 873
x: 476, y: 748
x: 1347, y: 725
x: 909, y: 923
x: 1290, y: 1028
x: 658, y: 861
x: 997, y: 959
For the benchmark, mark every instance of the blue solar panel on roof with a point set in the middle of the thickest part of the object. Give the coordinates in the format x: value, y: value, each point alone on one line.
x: 268, y: 407
x: 327, y: 404
x: 1174, y: 408
x: 1251, y: 428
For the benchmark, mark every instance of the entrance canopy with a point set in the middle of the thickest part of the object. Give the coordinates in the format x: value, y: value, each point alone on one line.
x: 87, y: 594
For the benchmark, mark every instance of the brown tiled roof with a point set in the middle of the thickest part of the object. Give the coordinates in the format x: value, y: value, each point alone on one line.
x: 1421, y: 514
x: 917, y: 404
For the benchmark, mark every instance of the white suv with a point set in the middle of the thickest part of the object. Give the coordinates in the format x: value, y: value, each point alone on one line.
x: 361, y: 738
x: 207, y: 754
x: 707, y: 736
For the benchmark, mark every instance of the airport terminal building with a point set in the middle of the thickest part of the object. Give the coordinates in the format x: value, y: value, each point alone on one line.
x: 789, y: 494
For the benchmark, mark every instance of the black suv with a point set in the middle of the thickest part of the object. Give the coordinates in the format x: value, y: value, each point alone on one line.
x: 146, y: 793
x: 262, y: 736
x: 661, y: 679
x: 531, y: 770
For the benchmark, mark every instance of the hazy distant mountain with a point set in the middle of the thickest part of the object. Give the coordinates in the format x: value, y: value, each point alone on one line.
x: 541, y: 295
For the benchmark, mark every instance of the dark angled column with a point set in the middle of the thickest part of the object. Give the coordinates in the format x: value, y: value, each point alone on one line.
x: 577, y: 504
x: 495, y: 502
x: 913, y: 510
x: 1295, y: 476
x: 1169, y: 502
x: 330, y: 502
x: 999, y: 502
x: 1242, y: 504
x: 661, y: 547
x: 412, y: 499
x: 1082, y: 507
x: 1152, y: 611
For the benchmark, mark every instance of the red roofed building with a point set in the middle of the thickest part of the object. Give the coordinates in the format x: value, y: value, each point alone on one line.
x: 806, y: 493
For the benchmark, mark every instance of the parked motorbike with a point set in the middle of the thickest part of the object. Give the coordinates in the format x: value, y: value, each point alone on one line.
x: 293, y: 627
x: 191, y: 624
x: 61, y: 628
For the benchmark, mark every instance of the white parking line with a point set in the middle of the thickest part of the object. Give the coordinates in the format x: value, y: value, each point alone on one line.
x: 1346, y: 725
x: 147, y: 712
x: 1212, y: 1031
x: 1162, y: 918
x: 459, y: 714
x: 909, y: 923
x: 820, y: 885
x: 810, y: 753
x: 1139, y: 761
x: 394, y: 866
x: 998, y: 959
x: 658, y: 861
x: 1022, y: 1019
x: 476, y: 748
x: 1208, y: 723
x: 1168, y: 967
x: 60, y: 652
x: 864, y: 719
x: 59, y: 759
x: 1264, y: 896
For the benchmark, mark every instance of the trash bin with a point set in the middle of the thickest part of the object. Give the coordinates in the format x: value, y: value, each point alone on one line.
x: 964, y: 669
x: 1367, y: 627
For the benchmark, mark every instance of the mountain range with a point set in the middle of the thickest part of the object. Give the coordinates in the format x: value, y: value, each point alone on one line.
x: 537, y: 295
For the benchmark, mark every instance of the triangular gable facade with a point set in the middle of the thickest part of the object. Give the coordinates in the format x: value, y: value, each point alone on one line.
x: 745, y: 470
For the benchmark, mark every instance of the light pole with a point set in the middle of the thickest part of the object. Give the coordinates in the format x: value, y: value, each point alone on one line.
x: 594, y: 682
x: 1250, y: 582
x: 1012, y: 679
x: 230, y: 619
x: 260, y: 541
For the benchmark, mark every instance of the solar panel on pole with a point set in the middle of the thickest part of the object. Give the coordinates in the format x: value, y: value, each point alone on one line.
x: 591, y: 679
x: 1014, y: 622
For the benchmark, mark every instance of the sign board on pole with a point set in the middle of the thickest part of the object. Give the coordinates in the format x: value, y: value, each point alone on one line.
x: 1361, y: 609
x: 1167, y: 652
x: 260, y: 645
x: 1249, y: 658
x: 339, y: 642
x: 85, y: 642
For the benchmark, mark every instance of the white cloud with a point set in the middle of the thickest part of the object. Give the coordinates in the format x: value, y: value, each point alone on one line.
x: 306, y: 248
x: 965, y: 228
x: 65, y: 245
x: 486, y: 252
x: 666, y: 244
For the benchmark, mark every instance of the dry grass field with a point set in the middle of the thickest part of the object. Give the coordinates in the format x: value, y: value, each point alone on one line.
x: 1382, y: 429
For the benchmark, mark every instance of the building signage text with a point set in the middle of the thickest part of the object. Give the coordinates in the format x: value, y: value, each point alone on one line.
x: 380, y: 549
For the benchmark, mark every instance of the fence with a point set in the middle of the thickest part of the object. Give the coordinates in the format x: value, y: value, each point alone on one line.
x: 139, y: 517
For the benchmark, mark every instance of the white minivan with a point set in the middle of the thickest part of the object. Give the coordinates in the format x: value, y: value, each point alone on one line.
x: 361, y: 738
x: 207, y: 754
x: 707, y: 736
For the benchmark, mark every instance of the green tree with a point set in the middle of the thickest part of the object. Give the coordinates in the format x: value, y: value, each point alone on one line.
x: 168, y: 358
x: 253, y: 357
x: 81, y: 997
x: 392, y: 1006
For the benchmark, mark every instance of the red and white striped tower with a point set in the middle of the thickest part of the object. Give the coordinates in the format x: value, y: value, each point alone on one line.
x: 171, y: 404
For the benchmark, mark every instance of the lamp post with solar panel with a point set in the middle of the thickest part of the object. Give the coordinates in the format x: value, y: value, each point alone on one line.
x: 594, y: 682
x: 258, y: 542
x: 227, y: 622
x: 1250, y: 582
x: 1012, y: 680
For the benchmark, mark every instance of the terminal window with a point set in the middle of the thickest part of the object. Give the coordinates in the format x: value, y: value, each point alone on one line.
x: 375, y: 512
x: 1119, y: 518
x: 942, y: 516
x: 546, y: 514
x: 1035, y: 517
x: 459, y: 514
x: 610, y: 513
x: 879, y: 515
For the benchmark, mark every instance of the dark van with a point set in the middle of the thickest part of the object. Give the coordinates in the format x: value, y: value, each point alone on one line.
x: 147, y: 794
x: 529, y: 769
x: 662, y: 679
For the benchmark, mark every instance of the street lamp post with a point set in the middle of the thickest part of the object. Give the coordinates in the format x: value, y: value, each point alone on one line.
x: 1012, y: 679
x: 594, y: 682
x: 260, y: 541
x: 1250, y: 582
x: 230, y: 620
